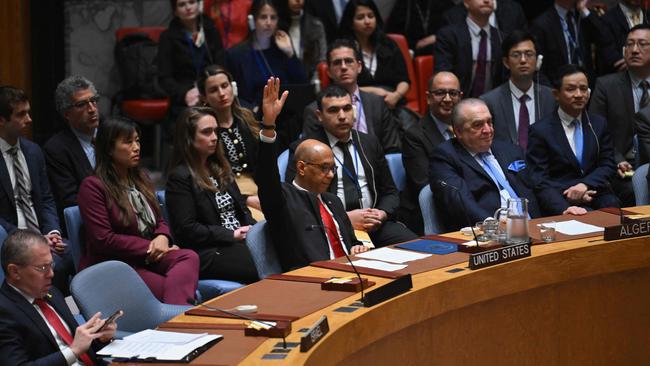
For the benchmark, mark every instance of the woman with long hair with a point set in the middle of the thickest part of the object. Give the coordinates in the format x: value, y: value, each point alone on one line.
x: 207, y: 212
x: 122, y: 218
x: 238, y: 130
x: 267, y: 52
x: 384, y: 70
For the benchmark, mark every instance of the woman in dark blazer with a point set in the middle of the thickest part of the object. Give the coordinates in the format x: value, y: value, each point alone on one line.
x: 206, y: 210
x: 122, y: 218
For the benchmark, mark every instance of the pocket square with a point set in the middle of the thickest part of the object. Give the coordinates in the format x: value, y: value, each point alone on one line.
x: 517, y: 166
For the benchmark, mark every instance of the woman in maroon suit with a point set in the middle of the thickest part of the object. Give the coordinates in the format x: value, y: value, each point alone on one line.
x: 122, y: 218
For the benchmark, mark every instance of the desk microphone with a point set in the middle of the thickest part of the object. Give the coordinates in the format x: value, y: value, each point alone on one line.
x: 192, y: 301
x: 444, y: 184
x: 323, y: 227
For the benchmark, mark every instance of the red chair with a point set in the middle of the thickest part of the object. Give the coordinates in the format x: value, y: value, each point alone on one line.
x: 324, y: 78
x: 423, y: 72
x: 148, y: 112
x: 412, y: 100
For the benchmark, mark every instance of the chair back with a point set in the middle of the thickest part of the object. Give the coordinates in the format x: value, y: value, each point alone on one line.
x: 323, y: 76
x: 283, y: 162
x: 640, y: 185
x: 430, y: 217
x: 423, y: 72
x: 112, y: 285
x: 411, y: 96
x: 261, y: 247
x: 73, y: 225
x: 396, y: 167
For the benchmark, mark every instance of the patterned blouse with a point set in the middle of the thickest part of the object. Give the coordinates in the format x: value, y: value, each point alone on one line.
x: 235, y: 149
x: 226, y: 206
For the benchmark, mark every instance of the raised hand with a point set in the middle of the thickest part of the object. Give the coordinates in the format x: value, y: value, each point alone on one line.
x: 283, y: 41
x: 271, y: 105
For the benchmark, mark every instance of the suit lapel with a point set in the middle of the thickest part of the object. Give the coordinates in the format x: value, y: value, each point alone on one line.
x: 625, y: 87
x: 559, y: 33
x: 508, y: 112
x: 368, y: 110
x: 29, y: 311
x: 431, y: 133
x: 5, y: 181
x: 469, y: 160
x: 557, y: 130
x: 78, y: 151
x: 31, y: 167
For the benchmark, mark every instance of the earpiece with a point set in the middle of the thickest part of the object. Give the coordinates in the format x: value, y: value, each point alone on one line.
x: 251, y: 22
x: 540, y: 60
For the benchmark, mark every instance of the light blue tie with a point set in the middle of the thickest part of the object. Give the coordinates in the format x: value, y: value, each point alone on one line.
x: 493, y: 172
x: 578, y: 139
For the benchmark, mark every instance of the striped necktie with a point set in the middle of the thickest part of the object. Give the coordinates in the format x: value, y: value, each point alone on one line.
x: 23, y: 197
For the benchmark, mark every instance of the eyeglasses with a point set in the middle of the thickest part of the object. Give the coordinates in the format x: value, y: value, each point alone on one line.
x: 324, y: 168
x: 642, y: 45
x: 44, y: 268
x: 349, y: 61
x: 441, y: 93
x: 528, y: 54
x: 84, y: 103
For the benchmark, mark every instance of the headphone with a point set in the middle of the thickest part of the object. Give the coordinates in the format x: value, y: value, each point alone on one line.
x: 251, y: 22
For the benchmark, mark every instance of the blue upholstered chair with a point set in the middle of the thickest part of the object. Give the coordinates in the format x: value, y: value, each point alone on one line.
x: 397, y: 170
x: 432, y: 224
x: 207, y: 288
x: 73, y: 224
x: 640, y: 184
x: 283, y: 162
x: 262, y: 250
x: 112, y: 285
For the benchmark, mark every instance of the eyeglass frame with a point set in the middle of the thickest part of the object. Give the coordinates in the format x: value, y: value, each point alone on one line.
x: 84, y: 103
x: 44, y: 268
x: 323, y: 169
x: 437, y: 93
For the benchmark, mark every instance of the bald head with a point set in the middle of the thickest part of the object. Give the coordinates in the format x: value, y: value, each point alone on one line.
x: 314, y: 163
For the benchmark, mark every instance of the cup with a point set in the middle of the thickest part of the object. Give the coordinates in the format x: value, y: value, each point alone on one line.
x: 547, y: 231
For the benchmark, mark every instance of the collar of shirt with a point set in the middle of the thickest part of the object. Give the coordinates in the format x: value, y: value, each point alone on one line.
x: 475, y: 29
x: 29, y: 299
x: 83, y: 136
x: 333, y: 140
x: 442, y: 127
x: 566, y: 118
x: 629, y: 12
x: 518, y: 92
x: 295, y: 184
x: 4, y: 145
x: 635, y: 80
x: 356, y: 94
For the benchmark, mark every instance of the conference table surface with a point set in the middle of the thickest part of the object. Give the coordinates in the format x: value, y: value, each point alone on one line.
x: 577, y: 302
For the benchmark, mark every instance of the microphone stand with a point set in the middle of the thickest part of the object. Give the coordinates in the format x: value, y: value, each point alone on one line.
x: 444, y: 184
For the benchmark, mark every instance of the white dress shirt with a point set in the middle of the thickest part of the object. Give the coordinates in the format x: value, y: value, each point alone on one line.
x: 475, y: 35
x: 569, y: 128
x: 358, y: 167
x: 86, y: 145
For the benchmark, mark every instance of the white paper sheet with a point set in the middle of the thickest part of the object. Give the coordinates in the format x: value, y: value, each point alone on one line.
x: 378, y: 265
x: 150, y: 343
x: 575, y: 227
x: 159, y: 336
x: 392, y: 255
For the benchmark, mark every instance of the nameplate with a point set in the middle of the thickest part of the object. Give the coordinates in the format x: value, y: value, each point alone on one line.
x: 630, y: 229
x: 314, y: 334
x: 500, y: 255
x: 388, y: 291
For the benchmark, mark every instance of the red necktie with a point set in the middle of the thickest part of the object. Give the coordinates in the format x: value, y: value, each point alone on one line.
x: 58, y: 326
x: 330, y: 228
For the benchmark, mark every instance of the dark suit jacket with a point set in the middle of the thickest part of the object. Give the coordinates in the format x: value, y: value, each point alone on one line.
x: 553, y: 162
x: 194, y: 215
x: 642, y: 125
x: 67, y: 166
x: 613, y: 99
x: 25, y: 338
x: 381, y: 122
x: 294, y: 217
x: 616, y: 26
x: 453, y: 52
x: 453, y: 164
x: 106, y: 236
x: 499, y: 101
x: 43, y: 201
x: 510, y: 16
x: 382, y: 188
x: 324, y: 10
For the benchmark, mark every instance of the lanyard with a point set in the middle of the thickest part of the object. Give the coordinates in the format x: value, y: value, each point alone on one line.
x: 567, y: 34
x: 265, y: 69
x: 354, y: 177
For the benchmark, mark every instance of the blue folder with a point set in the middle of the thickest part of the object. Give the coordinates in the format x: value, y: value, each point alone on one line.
x: 430, y: 246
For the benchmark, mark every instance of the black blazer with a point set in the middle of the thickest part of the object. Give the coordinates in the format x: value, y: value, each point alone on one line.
x: 42, y: 198
x: 642, y: 125
x: 67, y: 166
x: 453, y: 52
x: 194, y: 215
x: 553, y: 162
x: 380, y: 121
x: 380, y: 181
x: 391, y: 68
x: 480, y: 197
x: 510, y: 16
x: 294, y: 217
x: 324, y: 10
x: 25, y: 338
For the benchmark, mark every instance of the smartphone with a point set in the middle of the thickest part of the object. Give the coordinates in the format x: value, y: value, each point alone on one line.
x: 109, y: 320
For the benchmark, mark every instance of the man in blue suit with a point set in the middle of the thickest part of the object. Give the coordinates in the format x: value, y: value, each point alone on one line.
x: 472, y: 175
x: 572, y: 150
x: 26, y: 201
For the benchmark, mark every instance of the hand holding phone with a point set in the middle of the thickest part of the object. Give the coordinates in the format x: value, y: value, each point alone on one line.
x: 111, y: 319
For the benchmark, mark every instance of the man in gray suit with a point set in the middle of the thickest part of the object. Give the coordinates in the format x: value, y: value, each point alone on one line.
x: 618, y: 97
x: 518, y: 103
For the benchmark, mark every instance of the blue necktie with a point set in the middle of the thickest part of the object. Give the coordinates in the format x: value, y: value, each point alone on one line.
x: 493, y: 172
x: 578, y: 139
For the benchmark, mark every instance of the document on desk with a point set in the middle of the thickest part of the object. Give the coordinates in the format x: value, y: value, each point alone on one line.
x: 378, y: 265
x: 159, y: 345
x: 575, y: 227
x: 392, y: 255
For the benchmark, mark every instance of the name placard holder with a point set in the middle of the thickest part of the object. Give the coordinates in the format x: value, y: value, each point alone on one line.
x: 629, y: 229
x: 314, y: 334
x: 499, y: 255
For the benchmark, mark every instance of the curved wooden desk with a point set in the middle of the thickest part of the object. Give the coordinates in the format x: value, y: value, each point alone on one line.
x: 581, y: 302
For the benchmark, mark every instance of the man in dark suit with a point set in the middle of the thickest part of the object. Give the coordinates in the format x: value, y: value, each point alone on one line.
x: 617, y: 97
x: 329, y: 12
x: 507, y: 17
x: 518, y: 103
x: 306, y: 222
x: 571, y: 150
x: 373, y: 117
x: 362, y: 180
x: 26, y: 201
x: 473, y: 175
x: 70, y: 154
x: 618, y: 21
x: 421, y: 139
x: 471, y: 49
x: 36, y: 326
x: 565, y: 33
